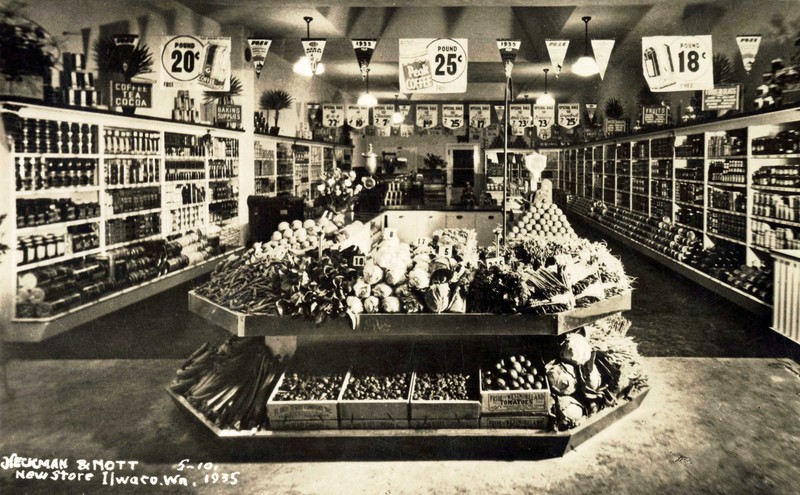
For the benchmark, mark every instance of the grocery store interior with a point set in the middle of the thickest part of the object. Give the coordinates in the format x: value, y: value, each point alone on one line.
x: 399, y: 247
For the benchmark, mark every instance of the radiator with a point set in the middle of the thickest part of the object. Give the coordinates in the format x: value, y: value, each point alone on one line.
x: 786, y: 306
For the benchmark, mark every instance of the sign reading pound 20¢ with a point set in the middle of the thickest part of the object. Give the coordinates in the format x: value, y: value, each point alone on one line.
x: 196, y: 62
x: 433, y: 65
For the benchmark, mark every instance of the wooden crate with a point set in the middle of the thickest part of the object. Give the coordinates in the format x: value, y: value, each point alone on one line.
x: 535, y: 422
x: 437, y: 414
x: 303, y: 414
x: 518, y: 402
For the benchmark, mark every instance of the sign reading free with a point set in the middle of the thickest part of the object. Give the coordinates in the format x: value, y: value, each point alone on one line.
x: 137, y: 95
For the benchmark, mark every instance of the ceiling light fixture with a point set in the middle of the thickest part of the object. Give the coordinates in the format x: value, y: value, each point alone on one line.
x: 397, y: 116
x: 366, y: 99
x: 545, y: 99
x: 585, y: 66
x: 303, y: 65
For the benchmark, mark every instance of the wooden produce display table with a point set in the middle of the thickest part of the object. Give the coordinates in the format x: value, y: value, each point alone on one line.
x: 409, y: 442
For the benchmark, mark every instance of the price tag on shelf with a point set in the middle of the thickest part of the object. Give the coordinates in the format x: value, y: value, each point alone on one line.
x: 359, y: 260
x: 430, y: 65
x: 389, y: 233
x: 422, y: 241
x: 678, y: 63
x: 496, y: 261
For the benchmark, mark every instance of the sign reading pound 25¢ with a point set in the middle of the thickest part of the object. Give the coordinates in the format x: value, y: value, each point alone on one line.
x: 433, y: 65
x: 196, y: 62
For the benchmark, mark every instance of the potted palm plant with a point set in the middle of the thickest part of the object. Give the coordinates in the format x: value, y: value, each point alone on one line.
x: 276, y: 100
x: 27, y: 52
x: 122, y: 61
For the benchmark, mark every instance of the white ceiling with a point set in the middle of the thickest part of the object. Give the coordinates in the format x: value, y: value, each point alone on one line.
x: 481, y: 22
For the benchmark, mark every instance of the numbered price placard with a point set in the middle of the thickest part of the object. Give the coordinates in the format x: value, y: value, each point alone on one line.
x: 433, y: 65
x: 480, y: 116
x: 357, y: 116
x: 427, y: 116
x: 452, y: 116
x: 569, y: 115
x: 382, y: 115
x: 544, y: 116
x: 519, y: 115
x: 332, y: 115
x: 196, y: 62
x: 678, y: 63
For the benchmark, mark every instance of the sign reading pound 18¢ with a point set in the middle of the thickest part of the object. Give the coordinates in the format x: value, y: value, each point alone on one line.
x: 433, y: 65
x: 196, y: 62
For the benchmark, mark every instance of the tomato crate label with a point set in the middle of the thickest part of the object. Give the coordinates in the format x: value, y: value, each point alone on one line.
x: 527, y: 401
x: 433, y: 65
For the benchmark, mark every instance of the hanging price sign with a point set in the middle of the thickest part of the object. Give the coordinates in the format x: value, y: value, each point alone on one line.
x: 544, y: 116
x: 480, y: 116
x: 196, y: 62
x: 430, y: 65
x: 357, y: 116
x: 427, y: 116
x: 333, y: 115
x: 569, y: 115
x: 678, y: 63
x: 453, y: 116
x: 382, y: 115
x: 519, y: 115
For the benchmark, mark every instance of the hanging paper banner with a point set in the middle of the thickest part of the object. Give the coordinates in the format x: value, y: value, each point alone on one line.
x: 427, y: 116
x: 332, y: 115
x: 519, y: 115
x: 313, y: 48
x: 357, y: 116
x: 748, y: 47
x: 452, y: 116
x: 480, y: 116
x: 602, y: 54
x: 406, y: 130
x: 382, y: 115
x: 591, y: 108
x: 677, y: 63
x: 569, y: 115
x: 508, y: 53
x: 258, y: 53
x: 500, y: 111
x: 557, y: 49
x: 429, y: 65
x: 405, y: 109
x: 364, y: 49
x: 544, y: 116
x: 196, y: 62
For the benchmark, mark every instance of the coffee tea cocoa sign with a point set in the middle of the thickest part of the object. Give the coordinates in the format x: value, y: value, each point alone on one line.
x: 129, y: 94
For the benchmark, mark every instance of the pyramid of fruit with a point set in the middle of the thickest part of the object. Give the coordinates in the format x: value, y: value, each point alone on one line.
x: 541, y: 220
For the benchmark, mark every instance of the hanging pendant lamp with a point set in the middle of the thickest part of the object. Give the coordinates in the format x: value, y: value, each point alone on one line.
x: 366, y: 99
x: 545, y: 99
x: 586, y: 66
x: 397, y: 116
x: 303, y: 65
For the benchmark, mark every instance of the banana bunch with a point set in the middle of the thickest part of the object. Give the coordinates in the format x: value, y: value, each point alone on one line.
x: 230, y: 384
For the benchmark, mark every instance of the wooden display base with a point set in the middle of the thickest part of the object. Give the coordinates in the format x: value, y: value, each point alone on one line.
x: 31, y: 330
x: 410, y: 443
x: 416, y: 324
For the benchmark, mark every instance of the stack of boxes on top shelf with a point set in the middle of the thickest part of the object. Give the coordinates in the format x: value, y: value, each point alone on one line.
x: 780, y: 83
x: 184, y: 110
x: 75, y: 84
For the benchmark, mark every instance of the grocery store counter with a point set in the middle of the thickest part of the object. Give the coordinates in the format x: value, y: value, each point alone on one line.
x: 414, y: 222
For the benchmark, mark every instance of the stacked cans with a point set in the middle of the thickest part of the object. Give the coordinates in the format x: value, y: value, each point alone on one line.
x: 184, y: 110
x: 76, y: 85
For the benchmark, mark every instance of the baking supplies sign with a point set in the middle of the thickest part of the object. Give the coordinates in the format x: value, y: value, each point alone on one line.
x: 196, y: 62
x: 429, y: 65
x: 678, y: 63
x: 258, y: 53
